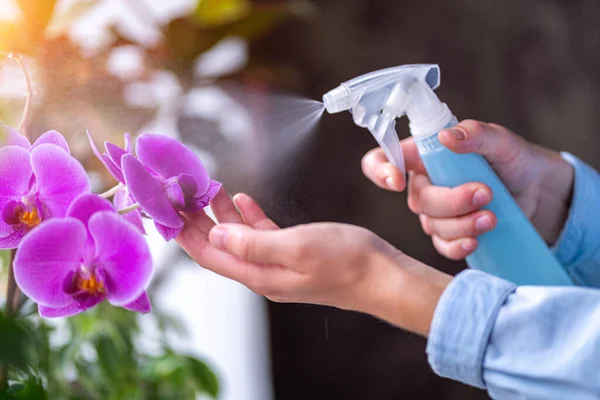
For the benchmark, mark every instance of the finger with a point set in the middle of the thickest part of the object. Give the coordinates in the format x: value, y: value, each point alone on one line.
x: 416, y: 182
x: 258, y: 246
x: 224, y: 209
x: 443, y: 202
x: 412, y: 159
x: 380, y: 171
x: 197, y: 220
x: 468, y: 226
x: 424, y: 219
x: 252, y: 213
x: 264, y: 279
x: 455, y: 249
x: 496, y: 143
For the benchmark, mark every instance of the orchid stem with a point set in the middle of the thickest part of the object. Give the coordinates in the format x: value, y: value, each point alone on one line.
x: 111, y: 192
x: 27, y: 107
x: 12, y: 291
x: 129, y: 209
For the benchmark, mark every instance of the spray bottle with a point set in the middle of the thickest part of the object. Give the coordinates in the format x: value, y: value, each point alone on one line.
x: 513, y: 250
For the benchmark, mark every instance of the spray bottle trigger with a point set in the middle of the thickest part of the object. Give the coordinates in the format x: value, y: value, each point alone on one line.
x: 390, y: 143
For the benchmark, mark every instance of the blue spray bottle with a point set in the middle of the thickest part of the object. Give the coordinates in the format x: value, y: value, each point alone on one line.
x: 513, y: 250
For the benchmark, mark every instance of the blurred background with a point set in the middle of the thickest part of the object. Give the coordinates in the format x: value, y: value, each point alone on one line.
x: 230, y: 79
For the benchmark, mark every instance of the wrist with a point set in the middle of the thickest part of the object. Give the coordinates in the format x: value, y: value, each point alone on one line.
x: 405, y: 292
x: 556, y: 190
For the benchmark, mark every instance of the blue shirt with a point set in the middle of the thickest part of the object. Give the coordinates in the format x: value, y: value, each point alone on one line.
x: 529, y: 342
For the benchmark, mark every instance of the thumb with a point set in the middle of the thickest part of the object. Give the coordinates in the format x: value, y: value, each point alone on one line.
x: 253, y: 245
x: 496, y: 143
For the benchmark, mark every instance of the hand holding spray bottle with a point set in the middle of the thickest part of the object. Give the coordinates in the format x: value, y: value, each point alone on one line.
x: 513, y: 250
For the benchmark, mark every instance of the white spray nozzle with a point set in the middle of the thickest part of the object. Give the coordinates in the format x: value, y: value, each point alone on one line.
x: 338, y: 100
x: 376, y: 99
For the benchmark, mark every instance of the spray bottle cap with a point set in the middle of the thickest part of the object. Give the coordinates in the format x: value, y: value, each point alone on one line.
x: 376, y: 99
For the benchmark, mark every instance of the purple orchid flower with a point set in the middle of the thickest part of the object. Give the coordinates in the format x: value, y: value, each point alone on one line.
x: 68, y: 265
x: 165, y: 179
x: 12, y: 137
x: 37, y: 183
x: 111, y: 158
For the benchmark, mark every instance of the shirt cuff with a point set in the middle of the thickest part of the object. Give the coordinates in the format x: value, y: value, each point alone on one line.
x: 462, y: 324
x: 580, y: 234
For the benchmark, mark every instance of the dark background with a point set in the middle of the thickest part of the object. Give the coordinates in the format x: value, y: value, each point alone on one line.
x: 532, y: 66
x: 529, y: 65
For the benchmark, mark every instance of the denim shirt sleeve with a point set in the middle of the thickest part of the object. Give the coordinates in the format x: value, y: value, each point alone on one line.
x: 518, y: 343
x: 578, y: 246
x: 529, y: 342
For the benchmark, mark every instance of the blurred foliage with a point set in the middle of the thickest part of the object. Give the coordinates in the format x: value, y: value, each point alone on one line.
x: 4, y: 258
x: 102, y: 357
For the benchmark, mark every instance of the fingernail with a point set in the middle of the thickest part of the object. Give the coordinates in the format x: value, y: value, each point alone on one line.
x: 456, y: 133
x: 483, y: 224
x: 480, y: 198
x: 389, y: 182
x: 218, y: 237
x: 468, y: 246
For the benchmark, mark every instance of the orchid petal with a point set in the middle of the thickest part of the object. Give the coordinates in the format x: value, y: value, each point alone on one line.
x: 169, y: 158
x: 86, y: 205
x: 114, y: 170
x: 52, y: 137
x: 87, y: 300
x: 122, y: 200
x: 47, y: 256
x: 148, y: 191
x: 10, y: 211
x: 213, y: 189
x: 67, y: 311
x: 201, y: 202
x: 122, y: 256
x: 12, y: 137
x: 15, y: 173
x: 166, y: 232
x: 115, y: 153
x: 110, y: 166
x: 11, y: 238
x: 141, y: 304
x: 11, y: 230
x: 83, y: 208
x: 127, y: 138
x: 60, y: 178
x: 188, y: 186
x: 175, y: 195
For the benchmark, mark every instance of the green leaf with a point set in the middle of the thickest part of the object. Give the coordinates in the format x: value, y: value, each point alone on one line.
x: 158, y: 368
x: 30, y: 389
x: 204, y: 377
x: 15, y: 388
x: 129, y: 393
x: 109, y: 358
x: 17, y: 345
